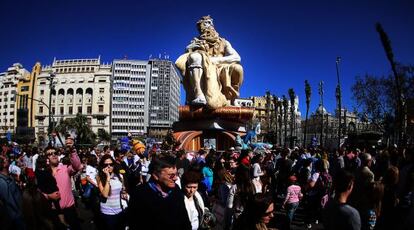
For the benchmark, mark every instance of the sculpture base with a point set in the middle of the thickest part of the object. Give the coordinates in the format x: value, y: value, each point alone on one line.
x: 202, y: 128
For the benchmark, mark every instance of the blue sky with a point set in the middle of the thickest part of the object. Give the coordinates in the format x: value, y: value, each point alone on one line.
x: 281, y: 43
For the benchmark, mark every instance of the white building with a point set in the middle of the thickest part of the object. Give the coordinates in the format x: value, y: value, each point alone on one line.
x: 8, y: 86
x: 79, y: 86
x: 130, y: 97
x: 145, y: 97
x: 164, y: 97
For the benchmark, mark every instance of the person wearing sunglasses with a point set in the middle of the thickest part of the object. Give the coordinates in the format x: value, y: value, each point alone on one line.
x: 112, y: 191
x: 257, y: 214
x: 63, y: 174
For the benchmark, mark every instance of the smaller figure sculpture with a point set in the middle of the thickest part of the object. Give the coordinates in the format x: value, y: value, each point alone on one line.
x: 251, y: 135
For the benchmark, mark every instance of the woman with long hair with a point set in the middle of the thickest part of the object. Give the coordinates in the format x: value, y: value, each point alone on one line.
x: 112, y: 191
x: 258, y: 213
x: 241, y: 191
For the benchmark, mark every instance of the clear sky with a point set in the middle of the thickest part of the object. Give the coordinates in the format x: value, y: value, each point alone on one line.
x: 281, y: 43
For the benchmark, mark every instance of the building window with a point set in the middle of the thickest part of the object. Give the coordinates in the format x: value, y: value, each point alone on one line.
x: 80, y: 109
x: 101, y: 121
x: 70, y: 110
x: 89, y: 121
x: 61, y: 110
x: 41, y: 109
x: 89, y: 110
x: 101, y: 90
x: 101, y: 108
x: 42, y: 92
x: 53, y: 110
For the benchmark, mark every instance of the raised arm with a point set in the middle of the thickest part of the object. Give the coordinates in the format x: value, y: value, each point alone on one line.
x: 230, y: 56
x: 75, y: 162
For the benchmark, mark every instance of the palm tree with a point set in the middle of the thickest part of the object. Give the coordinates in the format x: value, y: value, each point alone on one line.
x: 285, y: 116
x: 84, y: 134
x: 103, y: 135
x: 292, y: 97
x: 308, y: 92
x: 399, y: 114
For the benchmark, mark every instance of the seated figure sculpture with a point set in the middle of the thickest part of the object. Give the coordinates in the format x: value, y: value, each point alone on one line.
x: 211, y: 70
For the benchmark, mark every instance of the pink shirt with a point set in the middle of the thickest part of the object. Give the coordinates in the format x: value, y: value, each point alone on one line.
x: 64, y: 183
x: 293, y: 194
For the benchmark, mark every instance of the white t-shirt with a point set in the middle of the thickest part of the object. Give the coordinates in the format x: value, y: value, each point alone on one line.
x: 92, y: 173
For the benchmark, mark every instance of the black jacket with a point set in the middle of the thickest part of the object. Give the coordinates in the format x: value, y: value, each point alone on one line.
x: 149, y: 210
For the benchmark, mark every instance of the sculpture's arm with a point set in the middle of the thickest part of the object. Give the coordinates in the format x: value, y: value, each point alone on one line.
x: 194, y: 44
x: 230, y: 55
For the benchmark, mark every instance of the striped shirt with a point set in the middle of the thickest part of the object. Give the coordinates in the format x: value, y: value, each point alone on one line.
x: 112, y: 206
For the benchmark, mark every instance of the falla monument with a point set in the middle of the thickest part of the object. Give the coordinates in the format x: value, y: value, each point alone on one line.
x: 212, y: 77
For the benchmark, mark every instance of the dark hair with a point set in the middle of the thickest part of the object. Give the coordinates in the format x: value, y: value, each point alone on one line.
x: 102, y: 175
x: 256, y: 158
x: 190, y: 177
x: 245, y: 187
x: 41, y: 162
x: 391, y: 176
x: 160, y: 163
x: 342, y: 181
x: 92, y: 160
x: 50, y: 147
x: 254, y: 211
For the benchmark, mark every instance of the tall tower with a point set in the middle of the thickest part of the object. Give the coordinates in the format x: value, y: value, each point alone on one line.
x: 145, y: 97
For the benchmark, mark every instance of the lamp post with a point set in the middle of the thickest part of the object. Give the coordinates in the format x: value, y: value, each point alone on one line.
x: 322, y: 110
x: 339, y: 98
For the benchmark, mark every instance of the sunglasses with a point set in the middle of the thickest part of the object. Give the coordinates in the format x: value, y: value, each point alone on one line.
x: 51, y: 153
x: 270, y: 213
x: 109, y: 164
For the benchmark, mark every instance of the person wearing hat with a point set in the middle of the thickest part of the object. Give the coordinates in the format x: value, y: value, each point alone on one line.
x: 293, y: 196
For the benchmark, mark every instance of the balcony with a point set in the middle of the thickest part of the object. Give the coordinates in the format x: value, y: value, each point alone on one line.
x: 100, y: 115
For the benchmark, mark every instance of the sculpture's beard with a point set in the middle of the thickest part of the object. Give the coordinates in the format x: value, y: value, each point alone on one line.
x: 209, y: 34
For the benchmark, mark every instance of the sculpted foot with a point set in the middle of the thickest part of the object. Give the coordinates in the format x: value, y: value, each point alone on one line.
x: 200, y: 100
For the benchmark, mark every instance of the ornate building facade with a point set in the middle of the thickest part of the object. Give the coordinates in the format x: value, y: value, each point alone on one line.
x: 323, y: 127
x: 70, y: 87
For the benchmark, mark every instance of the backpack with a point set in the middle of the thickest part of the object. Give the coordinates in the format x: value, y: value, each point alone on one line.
x: 324, y: 184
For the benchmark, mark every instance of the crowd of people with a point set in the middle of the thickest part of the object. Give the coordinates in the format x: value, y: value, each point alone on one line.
x: 235, y: 189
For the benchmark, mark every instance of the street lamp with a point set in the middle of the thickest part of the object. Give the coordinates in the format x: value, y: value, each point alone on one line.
x: 339, y: 98
x: 51, y: 88
x: 322, y: 110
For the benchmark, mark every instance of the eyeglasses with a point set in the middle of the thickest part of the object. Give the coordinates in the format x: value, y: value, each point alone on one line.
x: 51, y: 153
x: 172, y: 175
x: 108, y: 164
